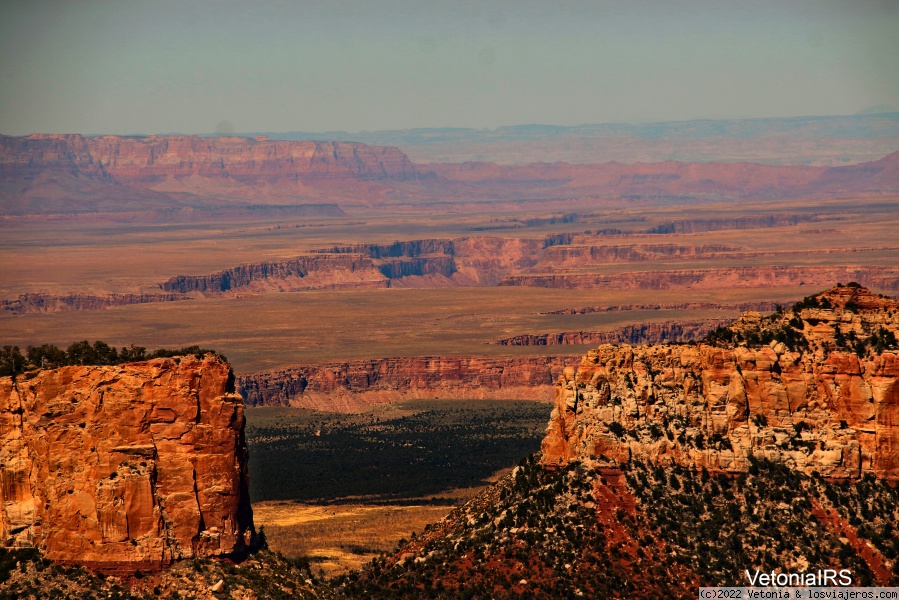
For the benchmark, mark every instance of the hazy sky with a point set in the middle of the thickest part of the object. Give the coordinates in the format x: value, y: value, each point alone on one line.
x: 195, y: 66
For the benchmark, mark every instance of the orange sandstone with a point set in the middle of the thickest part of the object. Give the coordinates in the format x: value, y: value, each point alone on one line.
x: 817, y: 408
x: 125, y: 467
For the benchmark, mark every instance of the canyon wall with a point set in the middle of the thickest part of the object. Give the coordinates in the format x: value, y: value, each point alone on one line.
x: 125, y: 467
x: 351, y: 386
x: 822, y: 395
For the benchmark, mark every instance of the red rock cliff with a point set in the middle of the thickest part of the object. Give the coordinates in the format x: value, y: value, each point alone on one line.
x: 350, y: 386
x: 125, y: 467
x: 822, y: 395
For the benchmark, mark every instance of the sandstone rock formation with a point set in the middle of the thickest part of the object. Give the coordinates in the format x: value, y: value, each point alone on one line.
x: 351, y: 386
x: 816, y: 388
x: 125, y: 467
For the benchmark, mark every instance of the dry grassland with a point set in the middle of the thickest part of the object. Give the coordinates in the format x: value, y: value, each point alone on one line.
x: 278, y: 330
x: 60, y: 256
x: 263, y: 331
x: 338, y: 538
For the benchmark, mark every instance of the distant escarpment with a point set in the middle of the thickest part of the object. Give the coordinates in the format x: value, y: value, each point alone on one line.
x: 125, y: 467
x: 884, y: 278
x: 40, y: 303
x: 152, y: 159
x: 175, y: 176
x: 420, y: 263
x: 486, y: 261
x: 815, y: 387
x: 570, y: 261
x: 674, y: 182
x: 170, y: 177
x: 350, y: 386
x: 302, y: 272
x: 644, y: 333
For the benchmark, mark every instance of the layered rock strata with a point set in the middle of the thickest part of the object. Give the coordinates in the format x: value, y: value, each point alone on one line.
x: 822, y: 395
x: 351, y: 386
x: 125, y: 467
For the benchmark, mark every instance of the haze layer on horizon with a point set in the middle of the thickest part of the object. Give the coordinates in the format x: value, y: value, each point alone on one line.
x: 225, y: 66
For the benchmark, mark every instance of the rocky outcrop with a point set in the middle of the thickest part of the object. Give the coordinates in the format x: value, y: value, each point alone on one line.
x: 822, y: 395
x: 125, y: 467
x: 643, y: 333
x: 883, y: 278
x: 350, y: 386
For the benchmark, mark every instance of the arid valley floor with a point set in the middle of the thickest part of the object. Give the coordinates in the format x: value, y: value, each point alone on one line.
x: 391, y: 310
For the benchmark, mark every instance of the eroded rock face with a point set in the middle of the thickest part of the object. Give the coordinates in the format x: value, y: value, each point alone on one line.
x: 830, y: 405
x: 352, y: 386
x: 128, y: 466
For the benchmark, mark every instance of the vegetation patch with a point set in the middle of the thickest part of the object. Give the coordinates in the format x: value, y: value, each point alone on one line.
x: 434, y: 447
x: 646, y: 531
x: 48, y: 356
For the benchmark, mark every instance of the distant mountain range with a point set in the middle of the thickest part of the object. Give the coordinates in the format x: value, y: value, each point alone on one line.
x: 175, y: 177
x: 790, y: 140
x: 867, y: 126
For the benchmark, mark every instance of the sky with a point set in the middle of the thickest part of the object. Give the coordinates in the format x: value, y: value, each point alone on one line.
x: 201, y: 66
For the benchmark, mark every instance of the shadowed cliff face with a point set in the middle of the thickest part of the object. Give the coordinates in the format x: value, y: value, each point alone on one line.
x: 822, y: 395
x: 125, y: 467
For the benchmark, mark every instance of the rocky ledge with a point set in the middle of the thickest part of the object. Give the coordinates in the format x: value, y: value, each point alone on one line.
x: 815, y: 387
x: 125, y: 467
